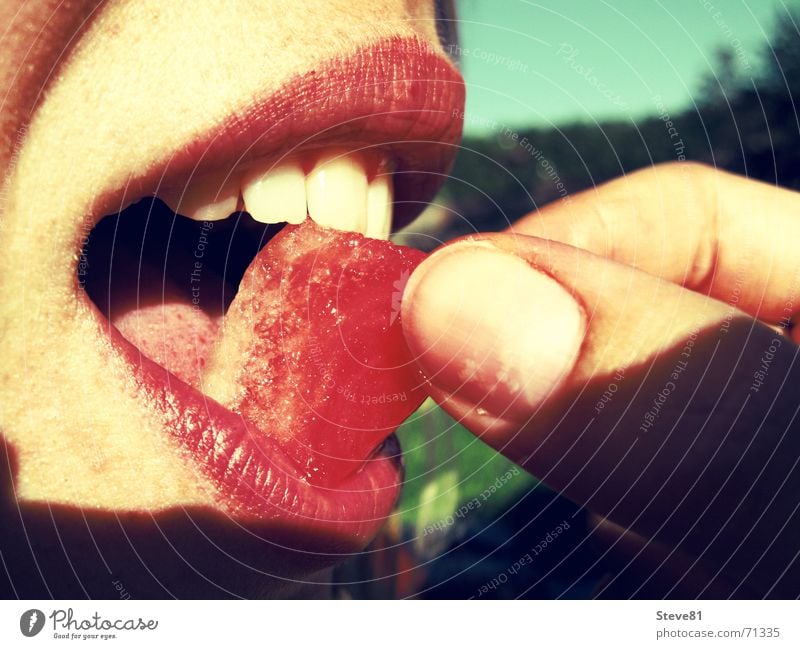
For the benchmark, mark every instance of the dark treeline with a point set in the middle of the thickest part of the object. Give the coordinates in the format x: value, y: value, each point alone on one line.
x: 744, y: 118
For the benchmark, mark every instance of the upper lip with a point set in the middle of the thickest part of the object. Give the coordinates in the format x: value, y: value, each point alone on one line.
x: 398, y: 94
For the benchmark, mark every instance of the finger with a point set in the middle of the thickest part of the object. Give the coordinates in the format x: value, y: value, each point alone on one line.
x: 728, y: 236
x: 645, y: 402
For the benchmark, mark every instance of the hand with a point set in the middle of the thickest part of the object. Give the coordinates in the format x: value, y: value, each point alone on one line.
x: 631, y: 346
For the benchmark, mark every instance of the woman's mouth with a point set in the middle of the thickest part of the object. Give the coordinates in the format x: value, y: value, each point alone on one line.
x: 360, y: 145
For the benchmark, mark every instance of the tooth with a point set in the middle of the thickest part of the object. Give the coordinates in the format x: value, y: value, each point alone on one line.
x: 380, y: 197
x: 336, y: 191
x: 211, y: 198
x: 276, y: 195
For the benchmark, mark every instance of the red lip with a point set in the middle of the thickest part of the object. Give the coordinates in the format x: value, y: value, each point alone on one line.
x: 399, y: 95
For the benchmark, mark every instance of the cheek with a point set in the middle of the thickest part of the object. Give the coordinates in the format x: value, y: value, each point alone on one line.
x: 39, y: 36
x: 134, y: 83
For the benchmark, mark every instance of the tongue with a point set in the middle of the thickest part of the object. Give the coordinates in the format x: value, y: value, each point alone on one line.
x: 171, y: 330
x: 311, y: 351
x: 159, y: 295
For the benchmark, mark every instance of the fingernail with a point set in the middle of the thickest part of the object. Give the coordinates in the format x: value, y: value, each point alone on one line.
x: 485, y: 325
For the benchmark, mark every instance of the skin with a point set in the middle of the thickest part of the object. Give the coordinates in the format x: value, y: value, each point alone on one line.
x: 133, y: 53
x: 92, y: 93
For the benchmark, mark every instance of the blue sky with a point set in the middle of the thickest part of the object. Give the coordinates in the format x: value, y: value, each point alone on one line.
x: 554, y: 61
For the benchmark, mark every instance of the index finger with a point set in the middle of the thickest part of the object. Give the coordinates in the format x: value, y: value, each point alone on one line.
x: 727, y: 236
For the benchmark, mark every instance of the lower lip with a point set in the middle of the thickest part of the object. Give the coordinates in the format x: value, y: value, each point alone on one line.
x: 253, y: 479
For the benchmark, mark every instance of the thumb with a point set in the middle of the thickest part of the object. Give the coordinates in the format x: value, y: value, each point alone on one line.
x: 666, y: 411
x: 490, y: 330
x: 513, y: 332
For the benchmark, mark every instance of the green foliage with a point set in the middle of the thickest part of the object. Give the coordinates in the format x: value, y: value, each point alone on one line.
x: 446, y: 466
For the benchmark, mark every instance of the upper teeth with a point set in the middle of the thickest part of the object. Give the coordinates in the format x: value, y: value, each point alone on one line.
x: 380, y: 197
x: 335, y: 193
x: 211, y: 199
x: 276, y: 195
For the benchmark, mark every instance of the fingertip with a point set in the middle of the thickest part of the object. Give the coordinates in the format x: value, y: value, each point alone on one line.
x: 484, y: 324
